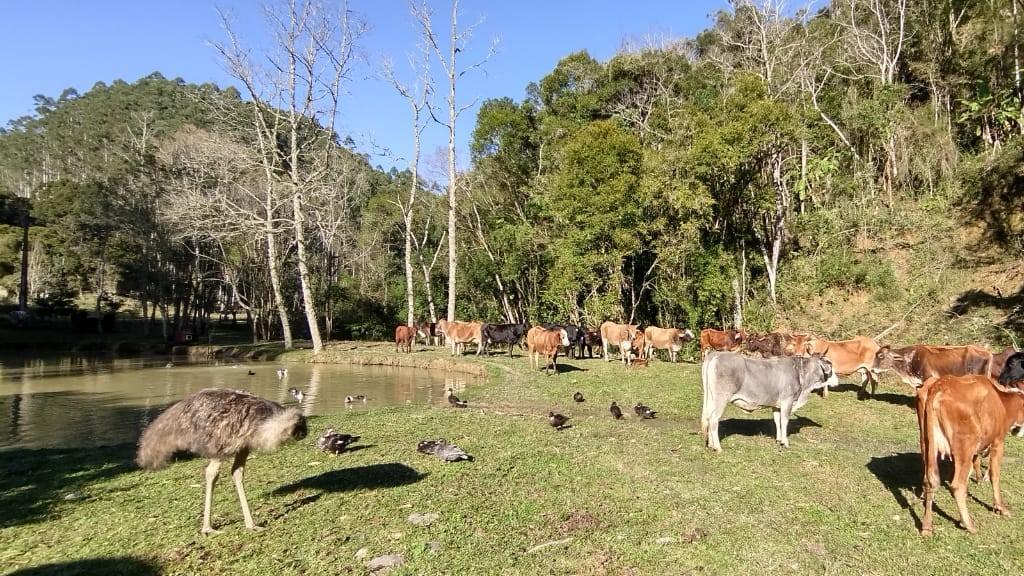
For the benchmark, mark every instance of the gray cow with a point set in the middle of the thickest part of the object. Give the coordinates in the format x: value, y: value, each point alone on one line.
x: 782, y: 384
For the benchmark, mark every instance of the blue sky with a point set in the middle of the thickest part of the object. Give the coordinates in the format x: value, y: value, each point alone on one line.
x: 48, y: 46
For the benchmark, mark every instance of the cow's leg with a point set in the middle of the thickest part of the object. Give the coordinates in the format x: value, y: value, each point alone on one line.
x: 995, y: 462
x: 783, y: 423
x: 961, y: 469
x: 713, y: 441
x: 604, y: 350
x: 931, y: 483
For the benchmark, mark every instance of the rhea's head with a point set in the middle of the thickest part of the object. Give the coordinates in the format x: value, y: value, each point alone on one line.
x: 288, y: 424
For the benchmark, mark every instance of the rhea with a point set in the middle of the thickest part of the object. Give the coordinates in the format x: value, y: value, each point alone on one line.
x: 217, y: 423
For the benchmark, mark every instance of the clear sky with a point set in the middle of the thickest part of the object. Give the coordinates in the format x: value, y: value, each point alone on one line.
x: 49, y: 46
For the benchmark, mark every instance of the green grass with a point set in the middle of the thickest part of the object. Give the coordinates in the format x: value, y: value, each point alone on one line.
x: 835, y: 502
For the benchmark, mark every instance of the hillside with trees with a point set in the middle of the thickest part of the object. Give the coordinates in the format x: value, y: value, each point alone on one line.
x: 855, y: 170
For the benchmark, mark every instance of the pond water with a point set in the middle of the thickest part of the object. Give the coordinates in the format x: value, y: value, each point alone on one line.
x: 68, y: 402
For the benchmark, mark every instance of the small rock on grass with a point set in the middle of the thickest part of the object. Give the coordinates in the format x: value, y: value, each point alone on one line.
x: 423, y: 519
x: 665, y: 540
x: 384, y: 564
x: 362, y: 553
x: 433, y: 547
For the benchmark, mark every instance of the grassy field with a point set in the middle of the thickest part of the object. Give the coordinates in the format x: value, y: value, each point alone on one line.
x: 610, y: 497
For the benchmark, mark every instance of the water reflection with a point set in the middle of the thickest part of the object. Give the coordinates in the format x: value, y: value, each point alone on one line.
x: 71, y: 402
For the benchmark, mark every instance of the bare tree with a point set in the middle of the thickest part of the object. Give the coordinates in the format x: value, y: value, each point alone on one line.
x: 875, y: 32
x: 416, y: 95
x: 297, y: 97
x: 457, y: 41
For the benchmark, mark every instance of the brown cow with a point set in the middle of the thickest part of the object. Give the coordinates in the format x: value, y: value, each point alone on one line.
x: 460, y: 333
x: 671, y: 339
x: 917, y: 363
x: 727, y: 340
x: 428, y: 331
x: 777, y: 344
x: 999, y: 362
x: 403, y: 338
x: 620, y: 336
x: 962, y: 417
x: 638, y: 349
x: 849, y: 357
x: 540, y: 341
x: 442, y: 331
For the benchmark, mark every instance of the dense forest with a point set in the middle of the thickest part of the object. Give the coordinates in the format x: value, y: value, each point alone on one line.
x: 857, y: 169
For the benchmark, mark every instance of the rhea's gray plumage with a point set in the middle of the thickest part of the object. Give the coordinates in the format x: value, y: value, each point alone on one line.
x: 217, y: 423
x: 443, y: 450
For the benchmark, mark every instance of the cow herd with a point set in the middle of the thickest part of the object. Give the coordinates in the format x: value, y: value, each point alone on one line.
x: 967, y: 398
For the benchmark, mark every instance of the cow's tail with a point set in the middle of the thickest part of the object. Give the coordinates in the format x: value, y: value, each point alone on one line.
x: 706, y: 369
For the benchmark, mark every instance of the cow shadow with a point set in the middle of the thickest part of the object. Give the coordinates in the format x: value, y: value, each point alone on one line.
x: 114, y: 566
x: 560, y: 368
x: 902, y: 473
x: 761, y: 426
x: 390, y: 475
x: 887, y: 397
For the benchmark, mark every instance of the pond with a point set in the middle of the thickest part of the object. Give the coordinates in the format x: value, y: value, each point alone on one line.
x: 68, y: 402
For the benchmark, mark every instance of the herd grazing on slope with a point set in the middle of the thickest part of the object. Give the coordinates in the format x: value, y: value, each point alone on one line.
x: 967, y: 398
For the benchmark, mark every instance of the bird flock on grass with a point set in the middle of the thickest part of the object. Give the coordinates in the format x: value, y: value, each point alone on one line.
x: 228, y: 424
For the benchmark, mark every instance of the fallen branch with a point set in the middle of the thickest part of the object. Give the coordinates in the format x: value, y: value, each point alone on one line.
x: 548, y: 544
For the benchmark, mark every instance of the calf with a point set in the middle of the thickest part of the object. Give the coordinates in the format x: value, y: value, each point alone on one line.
x: 510, y: 334
x: 729, y: 340
x: 591, y: 340
x: 403, y: 338
x: 999, y: 361
x: 671, y: 339
x: 782, y: 384
x: 461, y: 333
x: 849, y: 357
x: 576, y: 336
x: 962, y: 417
x: 540, y: 341
x: 915, y: 364
x: 637, y: 351
x: 767, y: 345
x: 619, y: 335
x: 428, y: 332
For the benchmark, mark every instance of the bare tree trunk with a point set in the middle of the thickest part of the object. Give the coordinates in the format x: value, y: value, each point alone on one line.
x: 452, y: 202
x: 275, y: 277
x: 452, y: 73
x: 308, y: 304
x: 23, y: 286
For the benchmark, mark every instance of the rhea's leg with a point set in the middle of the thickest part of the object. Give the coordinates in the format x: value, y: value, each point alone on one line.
x: 211, y: 475
x: 237, y: 469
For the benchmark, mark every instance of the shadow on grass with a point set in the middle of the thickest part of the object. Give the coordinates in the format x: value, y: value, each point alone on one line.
x: 34, y: 484
x: 94, y: 438
x: 761, y: 427
x: 126, y: 566
x: 887, y: 397
x: 389, y: 475
x: 902, y: 473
